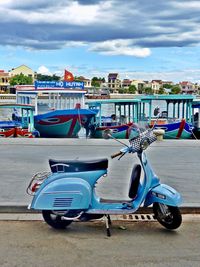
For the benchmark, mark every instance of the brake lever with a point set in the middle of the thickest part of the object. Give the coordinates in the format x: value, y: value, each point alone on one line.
x: 121, y: 156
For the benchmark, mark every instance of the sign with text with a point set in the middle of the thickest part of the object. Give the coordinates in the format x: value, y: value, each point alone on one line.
x: 58, y: 84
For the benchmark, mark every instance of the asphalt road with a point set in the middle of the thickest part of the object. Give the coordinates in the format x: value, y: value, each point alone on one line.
x: 176, y: 162
x: 35, y: 244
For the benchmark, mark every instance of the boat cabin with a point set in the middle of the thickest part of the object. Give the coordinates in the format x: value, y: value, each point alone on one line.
x: 113, y: 112
x: 173, y: 107
x: 49, y: 96
x: 16, y: 120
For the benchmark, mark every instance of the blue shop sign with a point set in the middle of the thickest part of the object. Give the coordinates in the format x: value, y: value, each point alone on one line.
x: 58, y: 84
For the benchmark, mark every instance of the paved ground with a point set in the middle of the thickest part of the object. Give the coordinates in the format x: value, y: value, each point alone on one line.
x: 35, y: 244
x: 176, y: 162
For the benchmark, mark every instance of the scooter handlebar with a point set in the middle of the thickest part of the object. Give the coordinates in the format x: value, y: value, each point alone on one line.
x: 116, y: 154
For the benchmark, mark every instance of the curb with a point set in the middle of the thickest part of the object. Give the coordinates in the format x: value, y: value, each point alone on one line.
x: 142, y: 210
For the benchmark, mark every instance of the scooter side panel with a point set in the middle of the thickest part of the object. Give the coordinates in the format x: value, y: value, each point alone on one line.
x: 63, y: 194
x: 163, y: 194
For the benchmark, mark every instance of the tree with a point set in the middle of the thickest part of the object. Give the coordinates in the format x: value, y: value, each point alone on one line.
x: 175, y: 90
x: 121, y: 90
x: 21, y: 79
x: 96, y: 82
x: 132, y: 89
x: 148, y: 91
x: 161, y: 91
x: 167, y: 86
x: 42, y: 77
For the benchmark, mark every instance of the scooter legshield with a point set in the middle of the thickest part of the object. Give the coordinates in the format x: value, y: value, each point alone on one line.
x: 163, y: 194
x: 63, y: 194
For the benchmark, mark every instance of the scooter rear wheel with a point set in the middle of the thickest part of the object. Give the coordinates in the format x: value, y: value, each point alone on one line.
x: 54, y: 220
x: 168, y: 216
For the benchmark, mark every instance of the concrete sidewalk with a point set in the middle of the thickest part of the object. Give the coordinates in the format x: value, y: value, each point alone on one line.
x: 176, y: 162
x: 86, y: 244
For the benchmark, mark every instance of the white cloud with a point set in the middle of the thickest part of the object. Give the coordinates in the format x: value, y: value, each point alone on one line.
x: 186, y: 5
x: 44, y: 70
x: 120, y: 47
x: 191, y: 75
x: 74, y: 14
x: 109, y: 27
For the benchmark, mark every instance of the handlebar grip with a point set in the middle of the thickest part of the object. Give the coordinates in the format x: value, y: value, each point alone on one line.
x: 116, y: 154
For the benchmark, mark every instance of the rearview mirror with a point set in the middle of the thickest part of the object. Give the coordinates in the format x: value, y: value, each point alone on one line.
x: 156, y: 111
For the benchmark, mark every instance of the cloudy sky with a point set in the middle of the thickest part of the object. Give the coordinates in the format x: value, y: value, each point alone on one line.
x: 139, y: 39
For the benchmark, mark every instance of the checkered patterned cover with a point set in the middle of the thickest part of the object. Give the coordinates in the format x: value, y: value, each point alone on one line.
x: 147, y: 135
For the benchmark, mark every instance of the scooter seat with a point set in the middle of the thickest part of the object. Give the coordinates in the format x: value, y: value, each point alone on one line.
x: 78, y: 165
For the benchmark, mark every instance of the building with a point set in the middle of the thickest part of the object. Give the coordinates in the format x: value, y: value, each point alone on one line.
x: 23, y: 69
x: 126, y: 83
x: 140, y: 85
x: 114, y: 82
x: 168, y: 82
x: 156, y: 85
x: 187, y: 87
x: 87, y: 82
x: 4, y: 81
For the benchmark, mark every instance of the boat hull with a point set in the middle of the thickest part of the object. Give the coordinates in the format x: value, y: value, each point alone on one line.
x: 62, y: 123
x: 120, y: 131
x: 10, y: 132
x: 176, y: 130
x: 15, y: 132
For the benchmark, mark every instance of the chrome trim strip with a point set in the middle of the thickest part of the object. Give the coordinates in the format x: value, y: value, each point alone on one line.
x: 61, y: 192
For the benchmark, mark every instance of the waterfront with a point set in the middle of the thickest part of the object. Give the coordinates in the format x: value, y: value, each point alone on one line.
x: 140, y: 110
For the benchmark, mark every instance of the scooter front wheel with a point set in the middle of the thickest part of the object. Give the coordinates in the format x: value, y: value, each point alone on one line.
x: 168, y: 216
x: 55, y: 220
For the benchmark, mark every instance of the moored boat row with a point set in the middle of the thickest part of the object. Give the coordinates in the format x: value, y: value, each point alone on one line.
x: 66, y: 114
x: 178, y: 126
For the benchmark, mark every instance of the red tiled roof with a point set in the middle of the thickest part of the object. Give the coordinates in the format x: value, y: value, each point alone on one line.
x: 184, y: 83
x: 126, y: 81
x: 3, y: 74
x: 157, y: 81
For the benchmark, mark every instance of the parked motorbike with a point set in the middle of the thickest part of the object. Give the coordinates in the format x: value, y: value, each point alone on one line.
x: 68, y: 194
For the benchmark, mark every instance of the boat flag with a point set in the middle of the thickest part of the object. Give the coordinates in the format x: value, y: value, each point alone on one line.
x: 68, y: 76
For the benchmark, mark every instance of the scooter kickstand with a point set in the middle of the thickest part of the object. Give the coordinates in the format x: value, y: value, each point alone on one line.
x: 109, y: 220
x: 108, y: 223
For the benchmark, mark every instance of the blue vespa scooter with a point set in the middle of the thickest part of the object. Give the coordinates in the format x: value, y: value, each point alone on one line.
x: 68, y: 194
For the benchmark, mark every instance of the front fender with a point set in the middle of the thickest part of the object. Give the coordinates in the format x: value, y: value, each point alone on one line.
x: 163, y: 194
x: 63, y: 194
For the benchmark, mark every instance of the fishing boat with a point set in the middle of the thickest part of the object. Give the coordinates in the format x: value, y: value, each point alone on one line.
x: 7, y: 132
x: 121, y: 121
x: 176, y: 119
x: 59, y: 107
x: 196, y: 118
x: 20, y: 123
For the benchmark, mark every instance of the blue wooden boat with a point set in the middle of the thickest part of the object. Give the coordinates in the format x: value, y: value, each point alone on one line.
x: 196, y: 118
x: 63, y: 116
x: 179, y: 124
x: 122, y: 120
x: 175, y: 129
x: 63, y: 123
x: 176, y: 118
x: 20, y: 123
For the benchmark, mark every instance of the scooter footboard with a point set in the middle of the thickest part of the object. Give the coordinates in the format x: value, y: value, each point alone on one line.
x: 63, y: 194
x: 163, y: 194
